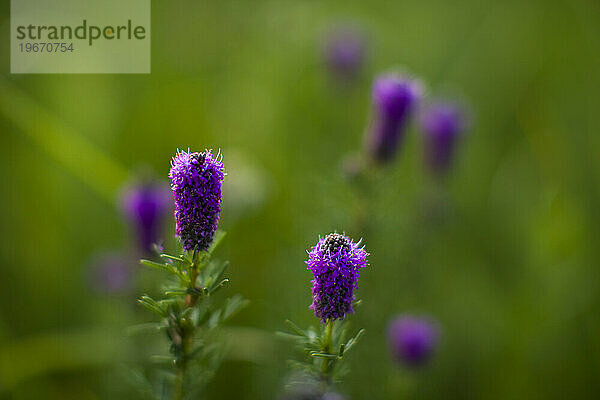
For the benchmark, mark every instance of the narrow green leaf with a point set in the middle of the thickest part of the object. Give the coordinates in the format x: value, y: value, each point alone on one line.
x: 214, y: 319
x: 170, y: 257
x: 199, y: 315
x: 290, y: 336
x: 295, y: 328
x: 233, y: 305
x: 188, y: 257
x: 149, y: 327
x: 323, y: 355
x: 220, y: 285
x: 354, y: 340
x: 158, y: 359
x: 211, y: 282
x: 165, y: 303
x: 176, y: 292
x: 155, y: 265
x: 153, y: 306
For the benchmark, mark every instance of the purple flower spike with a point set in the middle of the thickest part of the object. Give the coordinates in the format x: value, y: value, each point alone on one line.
x: 345, y: 51
x: 412, y: 340
x: 196, y: 180
x: 442, y: 124
x: 335, y: 262
x: 146, y: 206
x: 394, y: 99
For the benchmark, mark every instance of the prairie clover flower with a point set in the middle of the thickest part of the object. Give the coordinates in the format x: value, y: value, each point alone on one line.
x: 441, y: 124
x: 196, y: 180
x: 394, y: 99
x: 335, y: 262
x: 345, y: 52
x: 412, y: 340
x: 146, y: 205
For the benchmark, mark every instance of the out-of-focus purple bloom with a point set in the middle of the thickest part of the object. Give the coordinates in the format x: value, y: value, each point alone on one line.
x: 110, y: 273
x: 394, y: 100
x: 412, y: 340
x: 441, y: 124
x: 335, y: 262
x: 196, y: 180
x: 344, y: 51
x: 146, y: 206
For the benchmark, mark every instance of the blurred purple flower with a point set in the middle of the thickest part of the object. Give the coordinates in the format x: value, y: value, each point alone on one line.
x: 146, y: 206
x: 441, y: 124
x: 335, y: 262
x: 110, y: 273
x: 344, y: 51
x: 412, y: 340
x: 394, y: 99
x: 196, y: 180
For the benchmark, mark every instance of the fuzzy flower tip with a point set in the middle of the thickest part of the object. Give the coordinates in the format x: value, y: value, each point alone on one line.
x: 442, y: 124
x: 335, y: 262
x: 394, y: 99
x: 412, y: 340
x: 196, y: 180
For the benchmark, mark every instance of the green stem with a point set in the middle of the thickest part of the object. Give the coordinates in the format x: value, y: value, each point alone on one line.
x: 327, y: 349
x: 178, y: 392
x: 187, y: 336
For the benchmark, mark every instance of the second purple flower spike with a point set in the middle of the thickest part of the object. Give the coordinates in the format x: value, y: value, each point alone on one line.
x: 394, y: 100
x: 335, y: 262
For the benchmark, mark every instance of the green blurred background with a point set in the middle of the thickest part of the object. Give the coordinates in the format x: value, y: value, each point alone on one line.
x: 504, y: 252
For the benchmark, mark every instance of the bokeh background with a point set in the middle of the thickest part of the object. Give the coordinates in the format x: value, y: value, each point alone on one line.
x: 504, y: 251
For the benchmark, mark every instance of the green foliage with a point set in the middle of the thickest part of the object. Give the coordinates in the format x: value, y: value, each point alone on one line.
x: 189, y: 319
x: 326, y: 348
